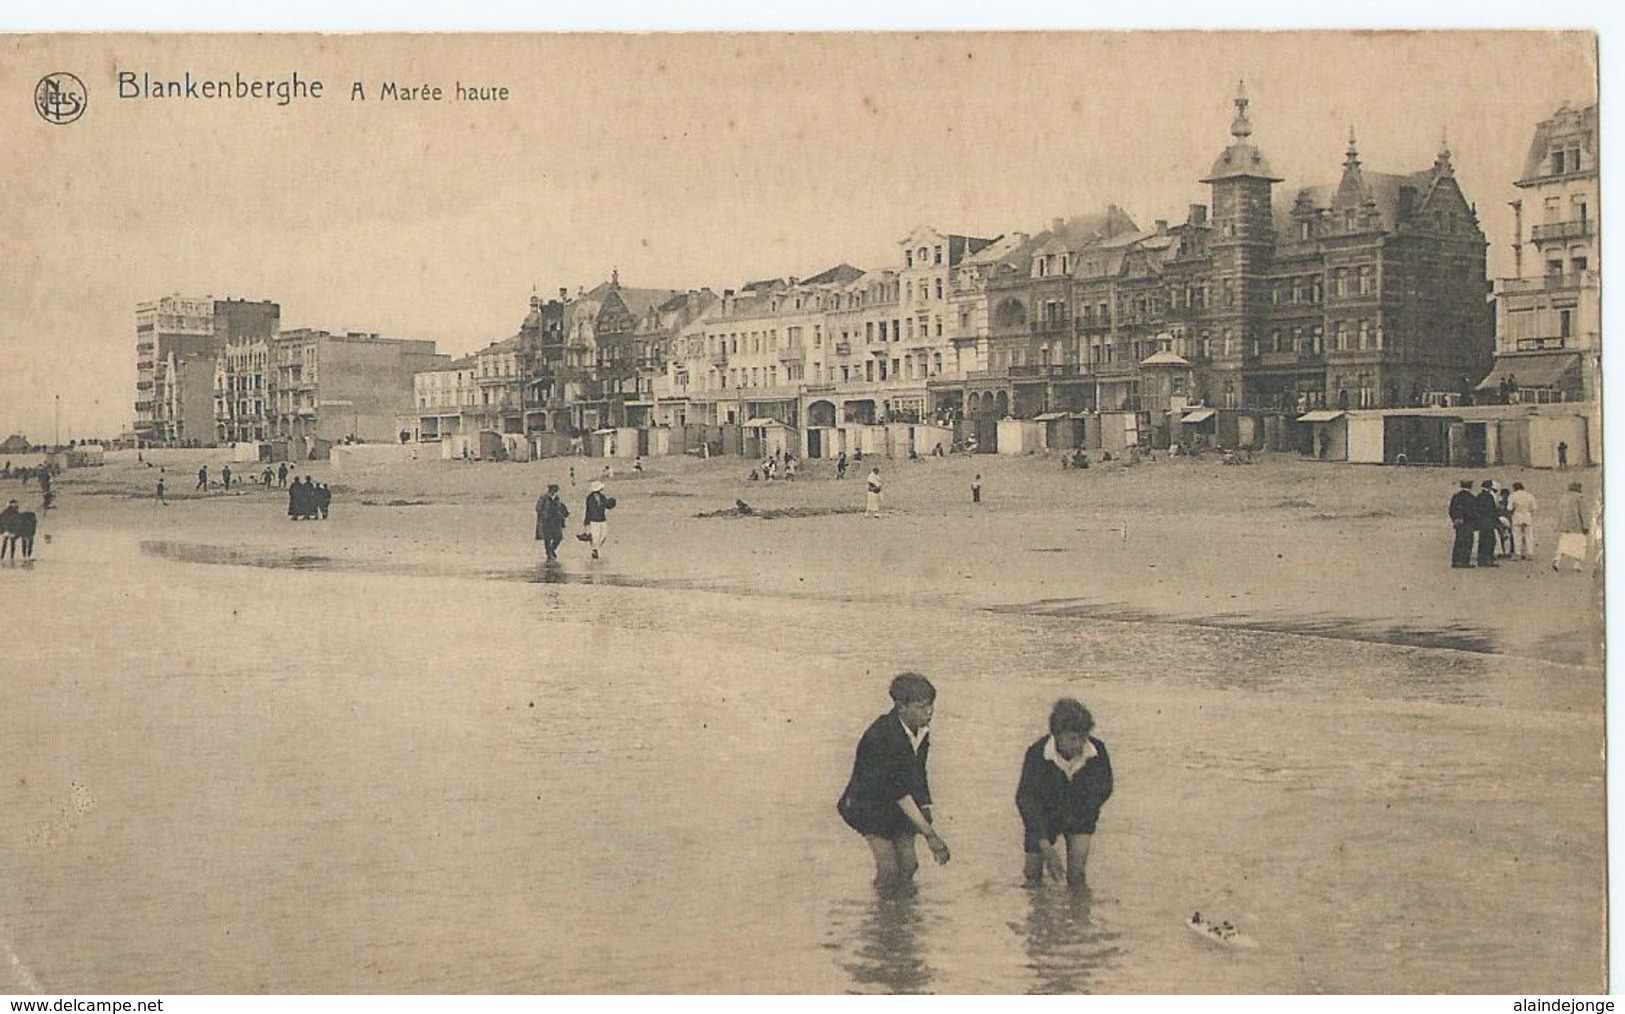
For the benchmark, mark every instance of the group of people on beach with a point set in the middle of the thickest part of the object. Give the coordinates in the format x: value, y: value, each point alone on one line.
x: 17, y: 528
x: 778, y: 465
x: 551, y: 515
x: 308, y: 500
x: 1066, y: 777
x: 1501, y: 520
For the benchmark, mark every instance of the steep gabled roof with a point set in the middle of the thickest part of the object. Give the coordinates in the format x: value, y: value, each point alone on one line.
x: 840, y: 274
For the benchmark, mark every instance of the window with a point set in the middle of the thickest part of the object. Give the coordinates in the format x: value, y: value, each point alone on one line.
x: 1565, y: 323
x: 939, y: 326
x: 936, y: 255
x: 1578, y: 265
x: 939, y: 288
x: 1552, y: 209
x: 1365, y: 281
x: 1365, y: 333
x: 1348, y: 220
x: 1340, y: 283
x: 1558, y: 157
x: 1342, y: 336
x: 1275, y: 341
x: 1304, y: 231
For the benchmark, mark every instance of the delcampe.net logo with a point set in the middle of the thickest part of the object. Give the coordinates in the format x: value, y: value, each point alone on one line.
x: 60, y: 97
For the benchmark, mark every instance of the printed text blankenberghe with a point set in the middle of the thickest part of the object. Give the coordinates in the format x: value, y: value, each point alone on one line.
x: 281, y: 90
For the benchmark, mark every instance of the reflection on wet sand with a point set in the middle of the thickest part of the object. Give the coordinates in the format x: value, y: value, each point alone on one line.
x: 1067, y: 950
x: 883, y: 951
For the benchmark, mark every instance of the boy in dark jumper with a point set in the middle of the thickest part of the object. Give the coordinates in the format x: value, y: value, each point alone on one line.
x: 888, y: 799
x: 1065, y: 778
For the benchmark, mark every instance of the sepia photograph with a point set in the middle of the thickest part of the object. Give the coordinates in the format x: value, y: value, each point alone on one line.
x: 812, y: 513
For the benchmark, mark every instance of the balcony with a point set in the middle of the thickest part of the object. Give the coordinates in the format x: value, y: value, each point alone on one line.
x: 1042, y: 371
x: 719, y: 359
x: 843, y: 348
x: 790, y: 355
x: 1561, y: 230
x: 1548, y: 283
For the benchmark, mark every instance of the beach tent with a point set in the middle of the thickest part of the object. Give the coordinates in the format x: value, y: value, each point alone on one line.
x: 1020, y: 436
x: 1328, y: 434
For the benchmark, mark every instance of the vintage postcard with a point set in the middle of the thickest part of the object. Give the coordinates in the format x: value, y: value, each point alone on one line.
x: 962, y: 512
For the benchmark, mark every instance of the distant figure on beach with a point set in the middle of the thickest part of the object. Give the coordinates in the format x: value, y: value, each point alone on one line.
x: 160, y: 493
x: 1503, y: 523
x: 551, y: 513
x: 840, y: 465
x: 203, y: 477
x: 1573, y: 527
x: 1562, y: 454
x: 888, y: 797
x: 607, y: 474
x: 1488, y: 509
x: 324, y: 499
x: 225, y: 477
x: 265, y: 477
x: 8, y: 522
x: 871, y: 507
x: 296, y: 500
x: 596, y: 516
x: 282, y: 475
x: 637, y: 463
x: 1066, y: 777
x: 572, y: 475
x: 976, y: 489
x: 1523, y: 507
x: 1463, y: 510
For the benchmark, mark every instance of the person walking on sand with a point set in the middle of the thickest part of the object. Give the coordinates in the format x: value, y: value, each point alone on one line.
x: 1487, y: 510
x: 840, y: 465
x: 1462, y: 511
x: 888, y: 798
x: 596, y: 517
x: 1573, y: 527
x: 976, y: 489
x: 160, y: 493
x: 282, y: 475
x: 1562, y: 454
x: 225, y: 478
x: 202, y: 478
x: 871, y: 507
x: 1523, y: 507
x: 551, y: 513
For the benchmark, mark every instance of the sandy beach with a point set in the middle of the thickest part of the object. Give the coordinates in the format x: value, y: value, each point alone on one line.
x: 1287, y: 544
x: 392, y: 752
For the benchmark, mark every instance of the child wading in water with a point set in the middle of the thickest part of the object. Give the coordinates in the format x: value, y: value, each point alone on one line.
x: 888, y: 800
x: 1065, y: 779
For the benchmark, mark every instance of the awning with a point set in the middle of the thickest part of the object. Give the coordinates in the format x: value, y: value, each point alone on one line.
x: 1197, y: 415
x: 1319, y: 415
x: 758, y: 423
x: 1047, y: 416
x: 1531, y: 371
x: 604, y: 431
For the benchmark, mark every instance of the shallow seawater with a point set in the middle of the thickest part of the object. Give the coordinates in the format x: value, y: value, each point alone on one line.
x: 233, y: 771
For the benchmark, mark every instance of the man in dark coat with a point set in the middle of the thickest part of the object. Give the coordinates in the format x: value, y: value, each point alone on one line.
x: 551, y: 514
x: 1464, y: 516
x: 888, y: 798
x: 1487, y: 513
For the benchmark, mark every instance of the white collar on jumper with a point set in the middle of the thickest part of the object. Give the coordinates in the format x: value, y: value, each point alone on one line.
x: 914, y: 738
x: 1069, y: 767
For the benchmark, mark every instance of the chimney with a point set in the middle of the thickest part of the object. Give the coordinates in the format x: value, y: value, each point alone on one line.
x: 1198, y: 215
x: 1162, y: 226
x: 726, y: 293
x: 564, y: 294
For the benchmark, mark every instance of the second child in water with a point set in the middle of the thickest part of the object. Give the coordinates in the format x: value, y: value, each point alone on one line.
x: 1065, y: 779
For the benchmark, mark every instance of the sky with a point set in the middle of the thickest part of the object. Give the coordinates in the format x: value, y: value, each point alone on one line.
x: 680, y: 160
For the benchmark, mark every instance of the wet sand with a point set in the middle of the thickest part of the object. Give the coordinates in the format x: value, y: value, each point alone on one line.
x: 1289, y: 545
x: 368, y: 754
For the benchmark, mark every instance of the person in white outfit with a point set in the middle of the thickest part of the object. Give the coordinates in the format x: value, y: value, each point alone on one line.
x: 1523, y: 505
x: 871, y: 507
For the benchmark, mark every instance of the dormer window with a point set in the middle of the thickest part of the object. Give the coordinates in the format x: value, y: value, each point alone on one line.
x: 1558, y: 159
x: 1304, y: 230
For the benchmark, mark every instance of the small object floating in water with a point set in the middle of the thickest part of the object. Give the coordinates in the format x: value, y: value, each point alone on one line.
x: 1219, y: 932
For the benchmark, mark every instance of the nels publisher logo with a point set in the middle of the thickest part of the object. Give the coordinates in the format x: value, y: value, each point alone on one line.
x: 60, y: 97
